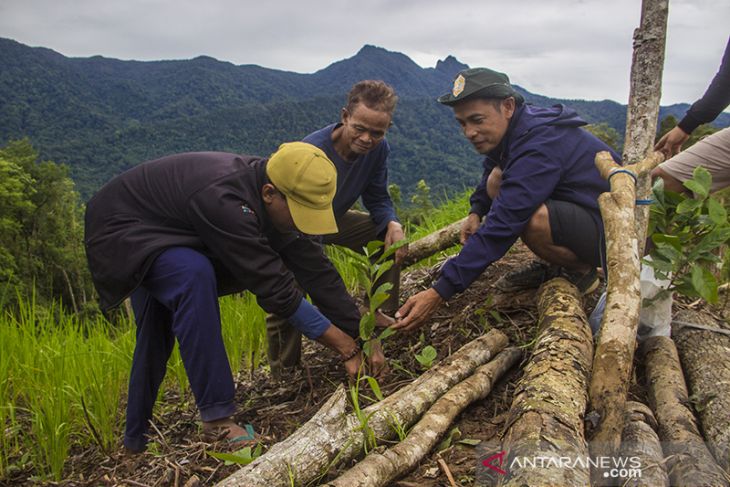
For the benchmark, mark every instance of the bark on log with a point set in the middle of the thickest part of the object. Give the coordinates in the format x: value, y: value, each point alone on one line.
x: 641, y: 453
x: 546, y: 417
x: 617, y: 339
x: 332, y: 436
x: 434, y: 242
x: 378, y: 469
x: 642, y: 113
x: 705, y: 357
x: 689, y: 462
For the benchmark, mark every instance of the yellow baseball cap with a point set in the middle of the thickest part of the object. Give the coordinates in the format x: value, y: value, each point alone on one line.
x: 308, y: 179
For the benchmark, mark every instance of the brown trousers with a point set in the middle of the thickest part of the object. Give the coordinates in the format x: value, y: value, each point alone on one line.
x: 356, y: 229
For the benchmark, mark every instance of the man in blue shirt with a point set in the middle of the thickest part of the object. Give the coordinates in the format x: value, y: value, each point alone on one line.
x: 358, y: 148
x: 540, y: 184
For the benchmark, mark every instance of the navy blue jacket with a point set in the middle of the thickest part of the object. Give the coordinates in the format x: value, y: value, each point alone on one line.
x: 544, y: 155
x: 366, y: 176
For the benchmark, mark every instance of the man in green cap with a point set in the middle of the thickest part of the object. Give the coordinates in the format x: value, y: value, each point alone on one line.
x: 176, y: 233
x: 539, y: 184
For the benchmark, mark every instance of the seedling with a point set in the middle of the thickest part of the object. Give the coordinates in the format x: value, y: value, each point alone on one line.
x: 427, y: 356
x: 686, y: 232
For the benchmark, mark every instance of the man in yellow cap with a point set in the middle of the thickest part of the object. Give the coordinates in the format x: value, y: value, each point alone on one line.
x: 177, y: 232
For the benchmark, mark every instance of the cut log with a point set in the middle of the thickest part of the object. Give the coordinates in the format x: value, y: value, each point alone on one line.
x: 705, y: 357
x: 378, y: 469
x: 332, y: 437
x: 433, y: 242
x: 625, y: 234
x: 546, y: 416
x: 641, y: 460
x: 614, y: 353
x: 689, y: 462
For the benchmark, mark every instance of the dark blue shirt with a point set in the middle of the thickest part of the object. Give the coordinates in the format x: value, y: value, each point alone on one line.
x: 366, y: 176
x: 544, y: 155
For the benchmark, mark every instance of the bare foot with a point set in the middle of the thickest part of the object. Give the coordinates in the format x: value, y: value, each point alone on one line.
x: 223, y: 429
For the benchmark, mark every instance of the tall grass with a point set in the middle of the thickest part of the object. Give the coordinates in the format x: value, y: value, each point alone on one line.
x: 62, y: 381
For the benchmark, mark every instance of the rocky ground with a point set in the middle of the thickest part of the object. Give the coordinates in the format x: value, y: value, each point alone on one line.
x: 276, y: 408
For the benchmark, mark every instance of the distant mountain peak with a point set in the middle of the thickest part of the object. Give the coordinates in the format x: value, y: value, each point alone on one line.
x: 369, y: 48
x: 450, y: 66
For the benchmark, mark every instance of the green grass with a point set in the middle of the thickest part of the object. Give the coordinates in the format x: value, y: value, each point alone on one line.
x: 64, y: 381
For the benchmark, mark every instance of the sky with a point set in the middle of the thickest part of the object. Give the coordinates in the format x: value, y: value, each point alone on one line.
x: 557, y: 48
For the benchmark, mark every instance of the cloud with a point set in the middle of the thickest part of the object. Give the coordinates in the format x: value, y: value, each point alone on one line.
x: 560, y: 48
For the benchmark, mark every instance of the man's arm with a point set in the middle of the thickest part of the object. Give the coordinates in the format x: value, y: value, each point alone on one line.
x: 315, y: 273
x: 704, y: 110
x: 715, y: 99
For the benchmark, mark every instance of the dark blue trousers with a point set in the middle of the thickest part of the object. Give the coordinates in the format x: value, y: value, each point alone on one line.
x: 178, y: 299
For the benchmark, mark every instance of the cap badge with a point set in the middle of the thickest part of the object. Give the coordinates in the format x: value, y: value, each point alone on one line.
x: 459, y: 83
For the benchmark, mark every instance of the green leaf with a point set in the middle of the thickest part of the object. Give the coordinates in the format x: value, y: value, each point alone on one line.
x: 716, y: 212
x: 470, y: 441
x: 382, y: 268
x: 668, y: 252
x: 660, y: 238
x: 392, y: 249
x: 388, y: 332
x: 372, y: 247
x: 454, y: 434
x: 700, y: 182
x: 685, y: 287
x: 367, y: 348
x: 713, y: 240
x: 383, y: 288
x: 427, y: 356
x: 367, y: 326
x: 378, y: 299
x: 688, y: 206
x: 697, y: 188
x: 375, y: 387
x: 704, y: 283
x: 244, y: 456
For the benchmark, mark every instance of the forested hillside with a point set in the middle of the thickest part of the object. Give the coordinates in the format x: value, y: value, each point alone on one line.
x: 100, y: 116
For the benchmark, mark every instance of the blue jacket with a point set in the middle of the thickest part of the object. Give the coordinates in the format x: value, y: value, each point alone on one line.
x: 544, y: 155
x: 366, y: 176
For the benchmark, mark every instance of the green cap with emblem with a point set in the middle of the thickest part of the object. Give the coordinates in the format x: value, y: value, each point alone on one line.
x: 479, y: 83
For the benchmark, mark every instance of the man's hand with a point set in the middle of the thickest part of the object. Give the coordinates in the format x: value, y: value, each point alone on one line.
x: 377, y: 364
x: 417, y: 309
x: 671, y: 143
x: 344, y: 345
x: 352, y: 366
x: 393, y: 234
x: 469, y: 227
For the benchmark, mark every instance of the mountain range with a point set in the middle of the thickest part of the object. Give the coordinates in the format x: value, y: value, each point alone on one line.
x: 100, y: 116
